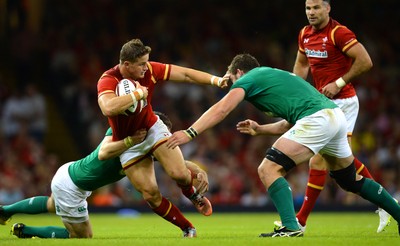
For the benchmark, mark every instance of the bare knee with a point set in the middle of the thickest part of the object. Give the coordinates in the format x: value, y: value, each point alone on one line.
x: 267, y: 169
x: 318, y: 162
x: 152, y: 197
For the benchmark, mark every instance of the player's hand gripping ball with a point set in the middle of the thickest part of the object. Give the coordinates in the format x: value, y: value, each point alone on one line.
x: 125, y: 87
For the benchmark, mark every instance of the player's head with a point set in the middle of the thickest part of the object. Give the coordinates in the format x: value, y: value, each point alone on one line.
x: 165, y: 119
x: 240, y: 65
x: 132, y: 50
x: 133, y: 59
x: 317, y: 12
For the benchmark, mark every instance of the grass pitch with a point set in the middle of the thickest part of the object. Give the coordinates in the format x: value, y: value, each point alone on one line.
x: 219, y: 229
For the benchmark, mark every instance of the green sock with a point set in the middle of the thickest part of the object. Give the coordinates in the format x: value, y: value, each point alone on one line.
x: 46, y: 231
x: 281, y: 196
x: 375, y: 193
x: 33, y: 205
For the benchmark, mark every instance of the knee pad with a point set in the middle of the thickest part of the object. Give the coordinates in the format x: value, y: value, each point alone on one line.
x: 280, y: 158
x: 346, y: 179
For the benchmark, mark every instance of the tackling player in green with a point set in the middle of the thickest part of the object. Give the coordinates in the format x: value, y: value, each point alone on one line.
x: 73, y: 184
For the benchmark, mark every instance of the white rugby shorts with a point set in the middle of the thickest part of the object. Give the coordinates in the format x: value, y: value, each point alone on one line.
x: 350, y: 107
x: 323, y: 132
x: 156, y: 135
x: 70, y: 201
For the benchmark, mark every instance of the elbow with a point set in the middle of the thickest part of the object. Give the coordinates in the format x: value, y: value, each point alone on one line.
x: 371, y: 64
x: 368, y: 65
x: 109, y: 112
x: 102, y: 156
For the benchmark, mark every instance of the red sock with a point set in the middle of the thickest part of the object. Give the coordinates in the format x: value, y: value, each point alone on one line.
x: 315, y: 185
x: 171, y: 213
x: 362, y: 169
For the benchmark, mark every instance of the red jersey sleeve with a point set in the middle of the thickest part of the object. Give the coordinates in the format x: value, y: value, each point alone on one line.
x: 108, y: 81
x: 300, y: 40
x: 344, y: 38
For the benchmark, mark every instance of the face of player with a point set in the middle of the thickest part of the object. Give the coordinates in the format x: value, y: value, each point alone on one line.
x: 137, y: 69
x: 233, y: 77
x: 317, y: 12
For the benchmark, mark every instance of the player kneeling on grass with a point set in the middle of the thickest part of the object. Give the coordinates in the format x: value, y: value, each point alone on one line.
x: 71, y: 186
x: 312, y: 124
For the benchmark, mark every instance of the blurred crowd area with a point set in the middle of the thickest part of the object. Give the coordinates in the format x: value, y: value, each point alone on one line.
x: 53, y: 53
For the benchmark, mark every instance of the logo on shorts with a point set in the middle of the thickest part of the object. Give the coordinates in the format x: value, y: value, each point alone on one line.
x: 380, y: 190
x: 81, y: 209
x: 58, y: 209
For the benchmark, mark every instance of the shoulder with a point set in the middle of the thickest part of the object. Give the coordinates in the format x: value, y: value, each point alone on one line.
x: 342, y: 36
x: 158, y: 70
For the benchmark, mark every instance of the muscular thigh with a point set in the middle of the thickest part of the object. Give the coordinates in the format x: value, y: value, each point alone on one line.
x: 142, y: 176
x: 172, y: 161
x: 295, y: 151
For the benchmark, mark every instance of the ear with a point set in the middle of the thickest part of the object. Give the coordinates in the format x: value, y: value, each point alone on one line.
x: 240, y: 72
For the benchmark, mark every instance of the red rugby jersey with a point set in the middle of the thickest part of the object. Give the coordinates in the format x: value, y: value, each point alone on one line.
x: 325, y: 50
x: 126, y: 125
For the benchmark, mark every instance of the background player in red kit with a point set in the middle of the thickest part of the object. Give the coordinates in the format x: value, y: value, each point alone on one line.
x: 335, y: 58
x: 137, y: 161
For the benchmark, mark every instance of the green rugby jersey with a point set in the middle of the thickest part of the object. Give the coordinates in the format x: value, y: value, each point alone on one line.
x: 90, y: 173
x: 282, y: 94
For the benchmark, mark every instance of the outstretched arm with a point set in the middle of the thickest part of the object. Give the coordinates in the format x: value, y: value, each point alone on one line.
x: 253, y: 128
x: 183, y: 74
x: 210, y: 118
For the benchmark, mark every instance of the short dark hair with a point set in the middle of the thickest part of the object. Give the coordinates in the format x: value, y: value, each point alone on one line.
x: 244, y: 62
x: 132, y: 50
x: 165, y: 119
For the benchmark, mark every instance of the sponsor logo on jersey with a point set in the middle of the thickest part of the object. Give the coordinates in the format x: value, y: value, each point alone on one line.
x: 316, y: 53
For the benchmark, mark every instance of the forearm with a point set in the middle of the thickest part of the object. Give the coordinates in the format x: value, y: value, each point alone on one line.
x: 301, y: 71
x: 209, y: 119
x: 301, y: 66
x: 182, y: 74
x: 112, y: 105
x: 110, y: 149
x: 277, y: 128
x: 359, y: 67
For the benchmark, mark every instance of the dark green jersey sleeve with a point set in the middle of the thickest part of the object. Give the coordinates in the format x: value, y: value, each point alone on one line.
x: 90, y: 173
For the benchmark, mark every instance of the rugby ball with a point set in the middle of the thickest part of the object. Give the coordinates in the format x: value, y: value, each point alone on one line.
x: 125, y: 87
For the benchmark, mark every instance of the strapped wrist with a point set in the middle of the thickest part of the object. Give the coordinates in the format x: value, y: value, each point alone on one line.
x: 191, y: 132
x: 219, y: 81
x: 128, y: 141
x: 138, y: 93
x: 340, y: 83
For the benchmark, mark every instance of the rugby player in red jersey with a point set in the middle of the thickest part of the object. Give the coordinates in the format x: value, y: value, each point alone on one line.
x: 137, y: 161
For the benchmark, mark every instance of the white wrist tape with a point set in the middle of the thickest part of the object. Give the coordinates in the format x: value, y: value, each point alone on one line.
x: 133, y: 97
x: 219, y: 81
x: 212, y: 80
x: 340, y: 83
x: 140, y: 91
